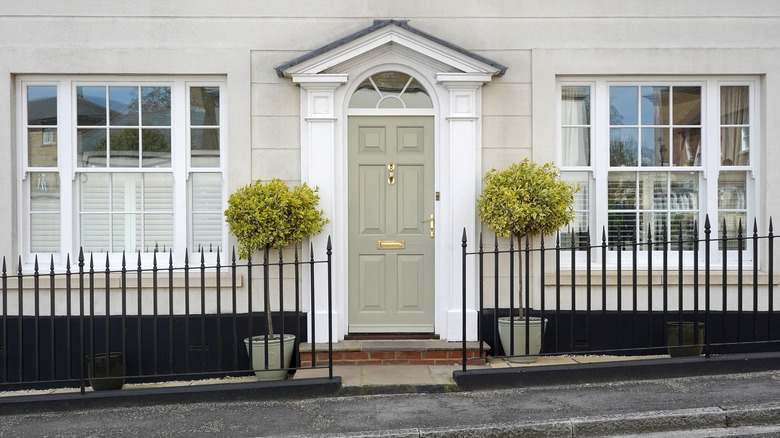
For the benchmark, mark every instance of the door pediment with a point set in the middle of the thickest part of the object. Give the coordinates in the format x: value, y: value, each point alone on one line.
x: 390, y: 36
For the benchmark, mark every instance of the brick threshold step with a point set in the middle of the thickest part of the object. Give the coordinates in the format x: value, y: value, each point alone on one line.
x: 394, y: 352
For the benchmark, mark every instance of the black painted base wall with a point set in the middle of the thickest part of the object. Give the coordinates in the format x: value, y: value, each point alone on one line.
x: 212, y: 346
x: 155, y: 347
x: 626, y: 333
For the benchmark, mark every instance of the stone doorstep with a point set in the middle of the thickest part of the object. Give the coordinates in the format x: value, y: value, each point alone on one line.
x: 394, y: 352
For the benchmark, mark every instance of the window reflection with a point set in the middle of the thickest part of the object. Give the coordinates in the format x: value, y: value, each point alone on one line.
x: 41, y: 105
x: 655, y: 146
x: 686, y: 147
x: 124, y: 148
x: 662, y: 128
x: 91, y: 105
x: 156, y: 147
x: 623, y: 105
x: 42, y: 147
x: 204, y: 106
x: 124, y: 142
x: 686, y: 108
x: 655, y: 105
x: 156, y: 106
x: 91, y: 147
x: 123, y: 106
x: 204, y: 147
x: 623, y: 147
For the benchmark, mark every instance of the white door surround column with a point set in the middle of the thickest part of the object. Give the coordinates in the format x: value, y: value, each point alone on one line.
x: 461, y: 166
x: 318, y: 151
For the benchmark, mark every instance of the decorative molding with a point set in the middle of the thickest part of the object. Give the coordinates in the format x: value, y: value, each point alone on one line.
x: 324, y: 80
x: 466, y: 79
x: 462, y: 104
x: 318, y: 91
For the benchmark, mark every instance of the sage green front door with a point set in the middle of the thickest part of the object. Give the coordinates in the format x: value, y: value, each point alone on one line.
x: 391, y: 241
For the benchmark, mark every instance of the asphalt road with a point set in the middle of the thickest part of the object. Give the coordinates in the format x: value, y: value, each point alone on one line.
x: 727, y: 405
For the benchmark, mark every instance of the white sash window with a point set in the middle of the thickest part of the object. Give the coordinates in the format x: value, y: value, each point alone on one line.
x: 114, y: 166
x: 654, y: 157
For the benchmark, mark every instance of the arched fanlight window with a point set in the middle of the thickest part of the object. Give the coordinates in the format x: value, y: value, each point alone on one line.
x: 390, y: 89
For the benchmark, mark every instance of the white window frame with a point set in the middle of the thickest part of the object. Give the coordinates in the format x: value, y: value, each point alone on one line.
x: 708, y: 181
x: 67, y: 158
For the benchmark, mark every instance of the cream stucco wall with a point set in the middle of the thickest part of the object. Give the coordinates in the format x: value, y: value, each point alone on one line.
x: 536, y: 40
x: 243, y: 41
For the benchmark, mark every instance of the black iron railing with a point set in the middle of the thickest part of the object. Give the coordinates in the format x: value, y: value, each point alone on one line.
x: 608, y: 307
x: 160, y: 322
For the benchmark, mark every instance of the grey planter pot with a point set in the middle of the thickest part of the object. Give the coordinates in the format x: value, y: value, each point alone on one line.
x: 687, y: 348
x: 106, y: 371
x: 276, y: 364
x: 535, y: 326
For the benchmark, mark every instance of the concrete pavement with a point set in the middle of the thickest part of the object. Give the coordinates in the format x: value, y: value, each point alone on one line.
x: 745, y: 404
x: 424, y: 400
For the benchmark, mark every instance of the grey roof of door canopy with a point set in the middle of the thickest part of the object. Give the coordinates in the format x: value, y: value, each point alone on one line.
x: 379, y: 24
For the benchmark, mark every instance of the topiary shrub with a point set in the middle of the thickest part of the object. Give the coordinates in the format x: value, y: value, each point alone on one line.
x: 526, y: 199
x: 272, y: 215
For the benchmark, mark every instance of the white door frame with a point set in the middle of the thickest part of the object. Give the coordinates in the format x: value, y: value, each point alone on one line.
x: 326, y: 84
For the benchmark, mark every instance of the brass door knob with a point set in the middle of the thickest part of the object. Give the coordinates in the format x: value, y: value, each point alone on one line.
x: 391, y: 173
x: 431, y: 222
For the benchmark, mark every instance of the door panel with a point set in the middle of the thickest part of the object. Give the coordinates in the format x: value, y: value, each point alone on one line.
x: 372, y: 276
x: 372, y: 140
x: 410, y: 208
x: 391, y: 250
x: 411, y: 276
x: 372, y: 198
x: 411, y: 140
